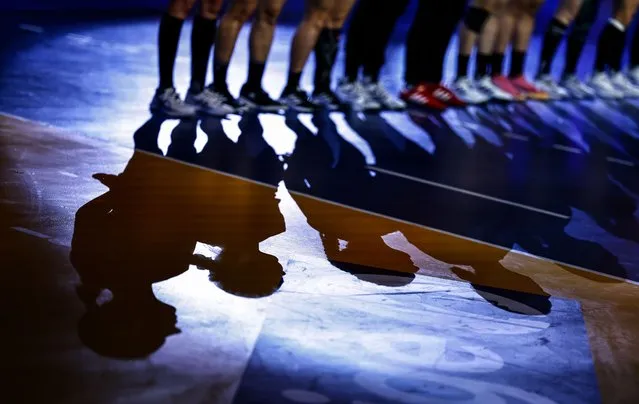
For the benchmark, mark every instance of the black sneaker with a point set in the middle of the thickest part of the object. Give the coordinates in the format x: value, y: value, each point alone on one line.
x: 297, y: 100
x: 260, y: 100
x: 226, y: 98
x: 327, y: 99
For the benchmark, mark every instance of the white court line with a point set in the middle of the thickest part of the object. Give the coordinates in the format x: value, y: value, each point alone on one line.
x: 516, y: 136
x: 67, y: 174
x: 31, y: 232
x: 467, y: 192
x: 568, y: 149
x: 620, y: 161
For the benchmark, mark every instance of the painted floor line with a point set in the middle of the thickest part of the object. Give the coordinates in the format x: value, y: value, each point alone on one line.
x: 467, y: 192
x: 32, y: 28
x: 516, y: 136
x: 620, y: 161
x: 31, y: 232
x: 568, y: 149
x: 67, y: 174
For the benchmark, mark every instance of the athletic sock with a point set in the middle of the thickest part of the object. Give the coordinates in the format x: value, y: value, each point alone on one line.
x: 484, y: 64
x: 517, y: 63
x: 497, y: 64
x: 462, y: 66
x: 202, y: 38
x: 255, y: 75
x: 552, y: 39
x: 220, y: 70
x: 293, y: 82
x: 610, y: 46
x: 168, y: 40
x: 325, y: 56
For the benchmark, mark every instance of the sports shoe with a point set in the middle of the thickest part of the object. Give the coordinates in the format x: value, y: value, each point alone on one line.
x: 326, y: 98
x: 486, y: 85
x: 210, y: 102
x: 259, y: 99
x: 623, y: 83
x: 634, y: 74
x: 381, y: 95
x: 603, y: 86
x: 507, y: 86
x: 168, y: 102
x: 445, y: 95
x: 549, y: 85
x: 355, y: 95
x: 297, y: 100
x: 422, y: 96
x: 577, y: 88
x: 465, y: 89
x: 528, y: 89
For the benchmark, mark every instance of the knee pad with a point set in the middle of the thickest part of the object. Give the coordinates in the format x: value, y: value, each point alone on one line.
x: 475, y: 19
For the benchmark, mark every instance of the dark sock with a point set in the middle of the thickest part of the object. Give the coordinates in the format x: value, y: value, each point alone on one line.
x: 484, y: 63
x: 497, y: 64
x: 634, y: 50
x: 168, y: 40
x: 552, y: 39
x: 202, y: 38
x: 462, y: 65
x: 293, y: 82
x: 517, y: 59
x: 573, y: 53
x: 371, y: 73
x: 220, y: 70
x: 325, y: 55
x: 255, y: 74
x: 610, y: 47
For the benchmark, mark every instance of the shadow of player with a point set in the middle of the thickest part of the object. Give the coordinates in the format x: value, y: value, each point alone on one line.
x: 144, y: 230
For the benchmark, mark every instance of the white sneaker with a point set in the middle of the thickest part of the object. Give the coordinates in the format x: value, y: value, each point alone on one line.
x: 485, y: 84
x: 547, y: 84
x: 634, y: 74
x: 209, y: 102
x: 623, y: 83
x: 604, y: 87
x: 380, y: 94
x: 355, y: 95
x: 169, y: 103
x: 468, y: 91
x: 577, y: 88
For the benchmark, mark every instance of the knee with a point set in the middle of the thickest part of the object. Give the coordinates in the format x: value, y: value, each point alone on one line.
x: 241, y: 10
x: 318, y: 14
x: 210, y: 9
x: 531, y: 7
x: 568, y: 11
x: 269, y: 13
x: 180, y: 8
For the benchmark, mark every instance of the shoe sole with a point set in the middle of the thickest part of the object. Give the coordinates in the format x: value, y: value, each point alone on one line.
x: 164, y: 113
x: 246, y: 103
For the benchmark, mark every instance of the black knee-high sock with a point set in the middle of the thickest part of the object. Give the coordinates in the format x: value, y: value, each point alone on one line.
x: 293, y: 82
x: 168, y: 40
x: 255, y: 75
x: 554, y: 35
x: 484, y: 64
x: 220, y: 71
x: 634, y: 50
x: 462, y: 66
x: 325, y: 56
x: 610, y: 47
x: 517, y: 60
x: 497, y: 64
x: 202, y: 38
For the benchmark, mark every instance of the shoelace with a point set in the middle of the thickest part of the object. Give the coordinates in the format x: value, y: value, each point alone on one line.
x: 382, y: 93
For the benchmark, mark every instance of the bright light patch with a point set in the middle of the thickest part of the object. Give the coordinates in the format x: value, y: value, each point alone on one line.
x: 164, y: 137
x: 231, y: 127
x: 201, y: 139
x: 307, y: 121
x: 279, y: 136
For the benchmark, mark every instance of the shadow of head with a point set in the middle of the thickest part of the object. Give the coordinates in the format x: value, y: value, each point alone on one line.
x: 246, y: 273
x: 127, y: 329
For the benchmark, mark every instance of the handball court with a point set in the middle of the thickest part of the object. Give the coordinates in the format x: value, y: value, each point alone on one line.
x: 487, y: 254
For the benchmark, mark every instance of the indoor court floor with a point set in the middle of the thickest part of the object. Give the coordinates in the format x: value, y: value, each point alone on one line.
x: 480, y: 255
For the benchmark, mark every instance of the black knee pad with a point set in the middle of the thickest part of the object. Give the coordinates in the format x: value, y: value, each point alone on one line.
x: 475, y: 18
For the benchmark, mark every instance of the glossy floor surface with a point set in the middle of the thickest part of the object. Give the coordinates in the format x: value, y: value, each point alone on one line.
x: 487, y: 254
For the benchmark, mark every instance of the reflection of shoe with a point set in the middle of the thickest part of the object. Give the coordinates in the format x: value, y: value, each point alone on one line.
x: 469, y: 92
x: 421, y: 96
x: 168, y: 102
x: 577, y: 88
x: 549, y: 85
x: 604, y: 87
x: 507, y: 86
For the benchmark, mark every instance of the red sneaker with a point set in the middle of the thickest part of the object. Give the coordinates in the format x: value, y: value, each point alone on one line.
x: 445, y: 95
x: 422, y: 96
